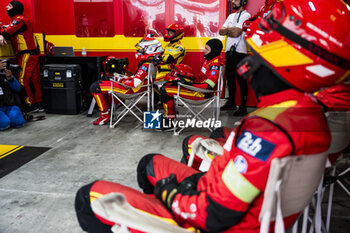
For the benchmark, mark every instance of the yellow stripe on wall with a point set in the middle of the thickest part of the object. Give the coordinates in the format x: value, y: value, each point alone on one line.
x: 118, y: 43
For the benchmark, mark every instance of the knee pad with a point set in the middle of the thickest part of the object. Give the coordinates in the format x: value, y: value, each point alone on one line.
x: 95, y: 87
x: 144, y: 169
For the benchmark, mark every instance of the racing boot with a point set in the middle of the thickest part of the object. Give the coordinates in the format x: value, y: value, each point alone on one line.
x: 104, y: 117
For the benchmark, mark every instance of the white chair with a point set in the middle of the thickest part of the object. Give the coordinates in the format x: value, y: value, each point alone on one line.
x: 130, y: 101
x: 291, y: 184
x: 191, y: 105
x: 339, y: 125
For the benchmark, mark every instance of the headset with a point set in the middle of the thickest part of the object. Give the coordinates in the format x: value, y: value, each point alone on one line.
x: 243, y: 2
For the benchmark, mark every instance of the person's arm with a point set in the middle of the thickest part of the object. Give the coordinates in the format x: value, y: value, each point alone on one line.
x: 12, y: 81
x: 236, y: 31
x: 170, y: 56
x: 139, y: 77
x: 211, y: 79
x: 17, y: 26
x: 223, y: 30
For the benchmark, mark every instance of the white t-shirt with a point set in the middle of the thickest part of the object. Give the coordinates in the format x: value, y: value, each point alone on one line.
x: 231, y: 21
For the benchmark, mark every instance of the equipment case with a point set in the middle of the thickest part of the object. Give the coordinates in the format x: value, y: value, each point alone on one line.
x: 62, y: 88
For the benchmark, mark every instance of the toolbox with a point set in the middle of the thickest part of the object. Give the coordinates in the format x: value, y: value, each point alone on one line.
x: 62, y: 88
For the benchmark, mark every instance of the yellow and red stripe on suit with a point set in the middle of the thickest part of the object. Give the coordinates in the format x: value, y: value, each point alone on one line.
x: 207, y: 79
x: 174, y: 53
x: 135, y: 82
x: 30, y: 74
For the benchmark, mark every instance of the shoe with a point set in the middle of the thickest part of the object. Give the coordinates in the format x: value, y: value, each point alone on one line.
x: 228, y: 106
x: 242, y: 111
x: 31, y: 109
x: 104, y: 117
x: 40, y: 107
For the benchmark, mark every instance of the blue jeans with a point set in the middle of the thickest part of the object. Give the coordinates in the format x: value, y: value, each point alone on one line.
x: 11, y: 116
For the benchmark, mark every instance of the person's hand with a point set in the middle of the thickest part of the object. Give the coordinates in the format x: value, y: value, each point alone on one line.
x: 157, y: 59
x: 223, y: 31
x: 2, y: 40
x: 8, y: 74
x: 166, y: 189
x: 3, y: 64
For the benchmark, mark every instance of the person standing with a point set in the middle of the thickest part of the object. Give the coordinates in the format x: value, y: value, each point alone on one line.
x: 235, y: 51
x: 21, y: 34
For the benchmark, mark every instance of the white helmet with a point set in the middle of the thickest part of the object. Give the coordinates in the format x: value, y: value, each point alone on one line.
x: 148, y: 47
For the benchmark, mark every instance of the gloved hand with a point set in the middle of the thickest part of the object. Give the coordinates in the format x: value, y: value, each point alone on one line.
x: 166, y: 189
x: 157, y: 59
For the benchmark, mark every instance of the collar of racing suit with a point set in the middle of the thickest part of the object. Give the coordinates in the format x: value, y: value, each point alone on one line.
x: 279, y: 97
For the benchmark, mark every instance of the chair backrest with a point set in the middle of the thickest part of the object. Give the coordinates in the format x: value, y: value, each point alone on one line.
x: 152, y: 72
x: 220, y: 84
x: 291, y: 184
x: 339, y: 125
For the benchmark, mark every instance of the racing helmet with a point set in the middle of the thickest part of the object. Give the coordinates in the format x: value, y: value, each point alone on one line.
x: 147, y: 48
x: 305, y: 43
x: 181, y: 72
x: 179, y: 32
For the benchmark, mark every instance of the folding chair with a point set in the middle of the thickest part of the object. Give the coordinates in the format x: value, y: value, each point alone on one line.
x: 339, y: 125
x: 291, y: 184
x: 190, y: 105
x: 130, y: 101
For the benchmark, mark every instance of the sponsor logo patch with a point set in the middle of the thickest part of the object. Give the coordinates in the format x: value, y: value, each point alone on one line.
x: 241, y: 164
x: 255, y: 146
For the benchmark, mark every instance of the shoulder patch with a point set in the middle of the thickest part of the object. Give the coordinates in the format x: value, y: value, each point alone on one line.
x: 179, y: 48
x: 215, y: 68
x: 255, y: 146
x: 144, y: 68
x: 15, y: 22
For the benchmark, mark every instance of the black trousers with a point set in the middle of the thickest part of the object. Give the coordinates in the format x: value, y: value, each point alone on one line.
x: 231, y: 61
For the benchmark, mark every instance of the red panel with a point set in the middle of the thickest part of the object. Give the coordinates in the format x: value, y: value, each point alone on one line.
x: 142, y: 17
x: 94, y: 19
x: 54, y: 17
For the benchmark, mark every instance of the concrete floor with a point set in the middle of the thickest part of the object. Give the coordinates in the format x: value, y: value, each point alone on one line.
x: 39, y: 196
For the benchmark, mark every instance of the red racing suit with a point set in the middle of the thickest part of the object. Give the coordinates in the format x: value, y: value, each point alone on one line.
x: 229, y: 196
x: 207, y: 79
x: 100, y: 89
x: 21, y: 34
